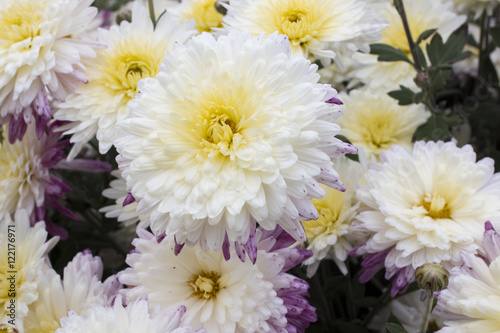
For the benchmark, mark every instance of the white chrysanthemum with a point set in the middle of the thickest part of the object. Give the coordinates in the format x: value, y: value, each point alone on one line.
x: 328, y: 235
x: 220, y: 295
x: 471, y: 303
x: 231, y: 132
x: 373, y: 121
x: 135, y: 317
x: 29, y: 251
x: 323, y: 29
x: 24, y: 172
x: 78, y: 292
x: 134, y: 51
x: 422, y: 15
x: 477, y: 6
x: 428, y: 205
x: 202, y: 11
x: 38, y: 53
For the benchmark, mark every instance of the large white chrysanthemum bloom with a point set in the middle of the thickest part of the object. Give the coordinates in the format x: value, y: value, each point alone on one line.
x: 422, y: 15
x: 220, y: 295
x: 373, y: 121
x: 231, y: 132
x: 425, y: 207
x: 21, y: 263
x: 38, y: 56
x: 134, y: 51
x: 321, y: 29
x: 202, y: 11
x: 328, y: 236
x: 135, y: 317
x: 78, y: 292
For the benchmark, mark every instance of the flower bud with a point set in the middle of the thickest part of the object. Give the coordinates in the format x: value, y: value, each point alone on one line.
x: 421, y: 80
x: 7, y: 329
x: 432, y: 277
x: 125, y: 15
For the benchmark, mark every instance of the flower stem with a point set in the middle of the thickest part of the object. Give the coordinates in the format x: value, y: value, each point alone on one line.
x: 152, y: 12
x: 413, y: 48
x: 428, y: 311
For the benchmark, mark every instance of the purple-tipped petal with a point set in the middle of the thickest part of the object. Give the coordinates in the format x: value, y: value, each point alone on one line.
x: 178, y: 247
x: 128, y: 200
x: 335, y: 101
x: 226, y: 248
x: 251, y: 246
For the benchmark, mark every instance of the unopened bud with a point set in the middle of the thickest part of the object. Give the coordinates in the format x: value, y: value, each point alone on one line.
x: 219, y: 7
x: 125, y: 15
x: 7, y: 329
x: 421, y: 79
x: 432, y: 277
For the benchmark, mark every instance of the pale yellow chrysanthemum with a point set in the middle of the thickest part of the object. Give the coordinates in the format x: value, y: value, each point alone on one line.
x: 39, y: 54
x: 134, y: 51
x: 373, y: 121
x: 317, y: 28
x: 28, y: 250
x: 203, y: 11
x: 327, y: 236
x: 422, y: 15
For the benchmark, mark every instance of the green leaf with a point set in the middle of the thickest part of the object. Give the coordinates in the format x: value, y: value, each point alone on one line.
x: 394, y: 326
x: 424, y: 35
x: 437, y: 127
x: 388, y: 53
x: 438, y: 80
x: 404, y: 96
x: 495, y: 35
x: 444, y: 54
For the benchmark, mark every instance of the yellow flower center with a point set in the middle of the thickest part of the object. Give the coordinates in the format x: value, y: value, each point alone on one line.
x: 20, y: 21
x: 378, y: 129
x: 296, y: 22
x: 219, y: 122
x: 436, y: 206
x: 205, y: 15
x: 330, y: 209
x: 129, y: 62
x: 205, y: 285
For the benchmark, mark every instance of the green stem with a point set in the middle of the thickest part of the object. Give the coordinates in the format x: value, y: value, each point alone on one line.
x: 413, y: 48
x: 428, y: 311
x: 483, y: 44
x: 152, y: 12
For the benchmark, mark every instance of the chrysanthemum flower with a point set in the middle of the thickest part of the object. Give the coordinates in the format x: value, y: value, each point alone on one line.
x: 78, y: 292
x: 220, y: 295
x: 231, y: 132
x: 202, y: 11
x: 135, y: 317
x: 471, y: 303
x: 39, y: 58
x: 422, y: 15
x: 30, y: 248
x: 373, y: 121
x: 26, y: 181
x: 327, y: 236
x: 317, y: 28
x: 426, y: 207
x: 134, y: 51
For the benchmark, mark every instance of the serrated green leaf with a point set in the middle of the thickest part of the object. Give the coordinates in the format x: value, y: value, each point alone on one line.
x: 388, y: 53
x: 404, y: 96
x: 424, y: 35
x: 436, y: 128
x: 495, y: 35
x: 444, y: 54
x: 422, y: 57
